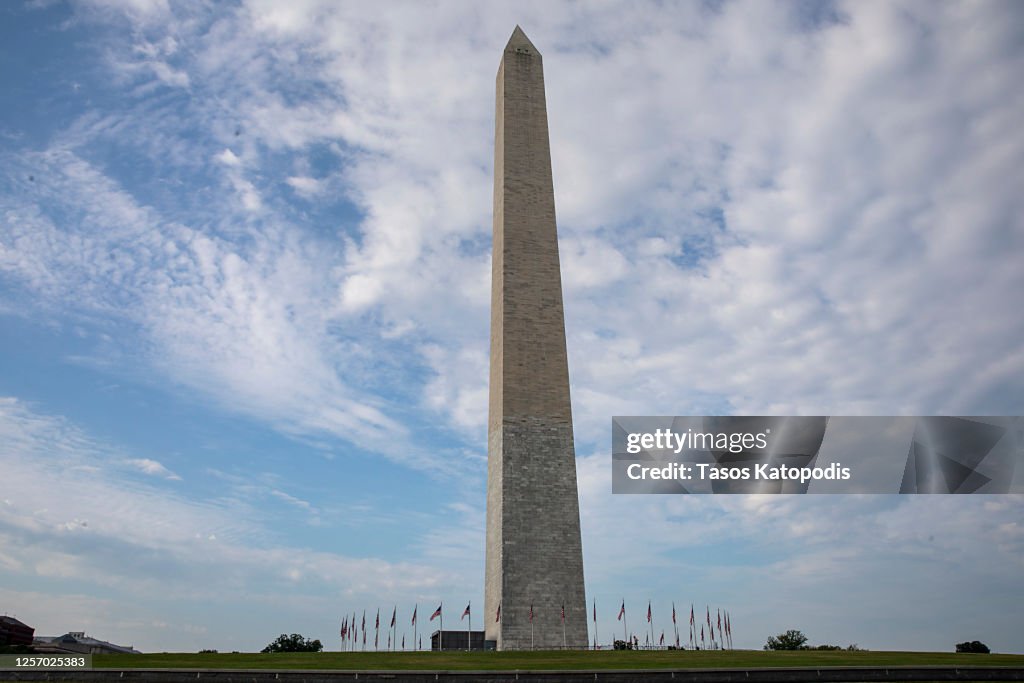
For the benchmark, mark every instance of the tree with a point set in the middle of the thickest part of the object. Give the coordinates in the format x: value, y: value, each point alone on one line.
x: 293, y: 643
x: 790, y: 640
x: 975, y: 646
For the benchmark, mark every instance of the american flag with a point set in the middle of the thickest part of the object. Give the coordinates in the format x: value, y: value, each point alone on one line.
x: 691, y: 614
x: 497, y: 617
x: 563, y: 613
x: 436, y: 613
x: 393, y: 615
x: 622, y: 610
x: 531, y: 613
x: 414, y: 614
x: 662, y: 641
x: 648, y: 611
x: 673, y: 612
x: 466, y: 613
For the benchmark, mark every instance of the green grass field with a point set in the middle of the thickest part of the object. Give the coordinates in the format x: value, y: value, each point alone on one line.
x: 605, y: 659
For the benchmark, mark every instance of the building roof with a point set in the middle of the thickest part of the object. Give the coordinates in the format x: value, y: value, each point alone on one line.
x: 11, y: 621
x: 79, y: 638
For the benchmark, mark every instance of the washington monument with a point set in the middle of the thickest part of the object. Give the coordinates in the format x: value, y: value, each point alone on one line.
x: 534, y: 552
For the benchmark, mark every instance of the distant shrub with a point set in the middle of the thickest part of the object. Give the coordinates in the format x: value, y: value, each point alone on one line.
x: 975, y: 646
x: 826, y: 647
x: 853, y: 647
x: 207, y: 652
x: 623, y: 645
x: 293, y: 643
x: 790, y: 640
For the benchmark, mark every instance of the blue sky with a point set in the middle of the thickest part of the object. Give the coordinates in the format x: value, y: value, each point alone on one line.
x: 244, y: 290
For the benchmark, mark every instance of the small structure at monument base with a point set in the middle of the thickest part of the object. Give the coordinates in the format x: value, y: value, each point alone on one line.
x: 460, y: 640
x: 76, y: 642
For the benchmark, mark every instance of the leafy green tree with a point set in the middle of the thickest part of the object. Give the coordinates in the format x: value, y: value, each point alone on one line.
x: 975, y: 646
x: 790, y: 640
x: 293, y: 643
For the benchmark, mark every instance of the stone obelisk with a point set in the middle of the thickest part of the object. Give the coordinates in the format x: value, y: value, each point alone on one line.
x: 534, y: 551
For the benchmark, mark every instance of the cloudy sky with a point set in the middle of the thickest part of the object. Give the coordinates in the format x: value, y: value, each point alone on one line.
x: 244, y: 291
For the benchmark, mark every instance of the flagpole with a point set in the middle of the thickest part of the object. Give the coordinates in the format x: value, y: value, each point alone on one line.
x: 650, y: 620
x: 693, y: 633
x: 563, y: 625
x: 531, y: 626
x: 675, y: 625
x: 623, y: 618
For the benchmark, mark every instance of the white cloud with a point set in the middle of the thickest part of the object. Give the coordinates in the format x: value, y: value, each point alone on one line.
x: 305, y: 186
x: 245, y: 324
x: 228, y: 158
x: 73, y: 516
x: 152, y: 467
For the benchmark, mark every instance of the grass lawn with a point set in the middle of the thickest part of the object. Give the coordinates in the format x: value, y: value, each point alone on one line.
x: 604, y: 659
